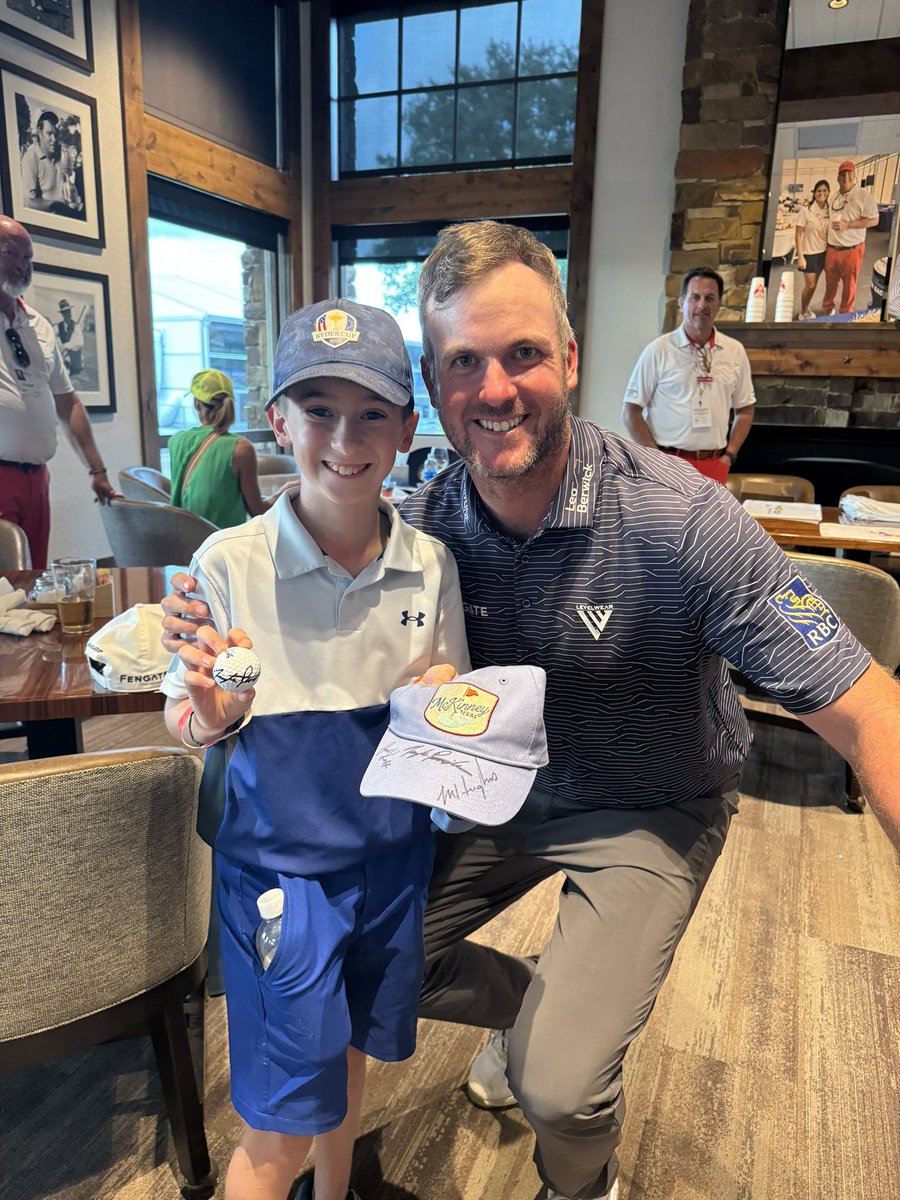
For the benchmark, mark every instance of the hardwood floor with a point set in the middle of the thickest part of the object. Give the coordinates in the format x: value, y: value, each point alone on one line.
x: 768, y: 1070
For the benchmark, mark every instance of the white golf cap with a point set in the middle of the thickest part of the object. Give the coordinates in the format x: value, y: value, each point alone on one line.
x: 126, y: 654
x: 471, y: 747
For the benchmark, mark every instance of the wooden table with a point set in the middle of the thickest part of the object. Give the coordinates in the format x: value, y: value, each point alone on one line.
x: 45, y: 681
x: 806, y: 534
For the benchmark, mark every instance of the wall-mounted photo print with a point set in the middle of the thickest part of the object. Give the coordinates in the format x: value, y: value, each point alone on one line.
x: 59, y: 27
x: 50, y: 163
x: 76, y: 303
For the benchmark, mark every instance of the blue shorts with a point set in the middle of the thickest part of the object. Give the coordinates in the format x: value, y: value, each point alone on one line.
x: 346, y: 972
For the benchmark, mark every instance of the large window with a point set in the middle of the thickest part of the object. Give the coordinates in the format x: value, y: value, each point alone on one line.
x: 214, y: 283
x: 446, y: 86
x: 380, y: 265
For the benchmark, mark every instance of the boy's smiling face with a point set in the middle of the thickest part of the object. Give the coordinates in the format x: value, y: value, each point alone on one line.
x: 344, y: 438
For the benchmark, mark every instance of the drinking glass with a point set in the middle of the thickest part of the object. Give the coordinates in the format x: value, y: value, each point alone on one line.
x: 76, y: 581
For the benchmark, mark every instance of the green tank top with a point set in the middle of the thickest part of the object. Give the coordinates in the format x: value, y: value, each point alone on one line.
x: 213, y: 490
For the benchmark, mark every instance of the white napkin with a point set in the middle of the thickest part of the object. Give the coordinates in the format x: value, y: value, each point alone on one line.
x: 17, y: 620
x: 863, y: 508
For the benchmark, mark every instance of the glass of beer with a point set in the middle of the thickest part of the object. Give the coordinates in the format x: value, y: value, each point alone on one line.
x: 76, y: 581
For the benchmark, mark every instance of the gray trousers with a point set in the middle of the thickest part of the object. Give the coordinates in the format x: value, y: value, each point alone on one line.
x: 633, y: 879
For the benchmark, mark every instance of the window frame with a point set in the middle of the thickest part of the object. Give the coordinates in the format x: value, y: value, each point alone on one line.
x: 455, y: 88
x: 179, y: 205
x: 507, y: 192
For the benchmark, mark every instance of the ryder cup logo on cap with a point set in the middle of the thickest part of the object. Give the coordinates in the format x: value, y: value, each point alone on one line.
x: 126, y: 654
x: 470, y: 747
x: 336, y: 328
x: 340, y: 339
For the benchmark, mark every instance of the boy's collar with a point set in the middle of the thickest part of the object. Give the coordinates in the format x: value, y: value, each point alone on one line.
x: 295, y: 551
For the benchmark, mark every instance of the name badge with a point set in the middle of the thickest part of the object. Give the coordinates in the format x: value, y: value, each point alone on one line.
x: 701, y: 417
x: 27, y: 383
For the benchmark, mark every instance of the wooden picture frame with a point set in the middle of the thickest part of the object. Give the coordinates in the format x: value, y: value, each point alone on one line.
x: 76, y: 303
x: 50, y: 161
x: 58, y: 27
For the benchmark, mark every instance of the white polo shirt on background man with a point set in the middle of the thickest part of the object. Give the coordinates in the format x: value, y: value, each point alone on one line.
x: 686, y: 384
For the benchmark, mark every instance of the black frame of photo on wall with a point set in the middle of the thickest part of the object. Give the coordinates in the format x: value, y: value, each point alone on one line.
x: 76, y: 214
x: 76, y: 303
x: 63, y: 30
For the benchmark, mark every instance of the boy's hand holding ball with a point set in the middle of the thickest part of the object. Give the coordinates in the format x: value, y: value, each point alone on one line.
x: 220, y: 677
x: 236, y: 669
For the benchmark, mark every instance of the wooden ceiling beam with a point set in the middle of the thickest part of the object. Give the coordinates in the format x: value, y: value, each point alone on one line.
x: 176, y: 154
x: 456, y: 196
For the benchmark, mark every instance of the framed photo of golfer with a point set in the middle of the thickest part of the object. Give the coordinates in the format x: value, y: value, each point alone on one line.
x: 59, y: 27
x: 49, y: 159
x: 76, y: 303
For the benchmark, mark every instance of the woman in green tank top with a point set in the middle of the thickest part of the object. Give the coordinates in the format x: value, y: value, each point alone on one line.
x: 214, y: 471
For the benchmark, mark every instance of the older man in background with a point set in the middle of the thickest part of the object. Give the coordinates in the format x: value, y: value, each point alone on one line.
x: 35, y: 391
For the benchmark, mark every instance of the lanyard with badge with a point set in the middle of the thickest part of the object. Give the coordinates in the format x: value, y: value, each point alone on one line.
x: 23, y: 365
x: 701, y: 417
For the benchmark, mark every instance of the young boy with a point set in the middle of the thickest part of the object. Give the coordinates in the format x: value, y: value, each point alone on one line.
x: 343, y: 602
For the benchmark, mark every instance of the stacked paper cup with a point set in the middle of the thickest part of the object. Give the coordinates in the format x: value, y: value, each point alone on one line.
x: 784, y: 305
x: 756, y: 301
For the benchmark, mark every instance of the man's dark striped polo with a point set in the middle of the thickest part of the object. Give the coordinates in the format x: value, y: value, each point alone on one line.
x: 642, y: 580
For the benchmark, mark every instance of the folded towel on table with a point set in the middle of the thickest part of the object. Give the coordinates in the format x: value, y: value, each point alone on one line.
x: 864, y: 508
x: 21, y: 621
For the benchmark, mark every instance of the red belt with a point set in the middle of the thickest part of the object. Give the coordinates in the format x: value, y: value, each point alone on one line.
x: 692, y: 453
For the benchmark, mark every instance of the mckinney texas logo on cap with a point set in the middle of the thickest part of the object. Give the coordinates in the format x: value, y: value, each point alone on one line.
x: 335, y: 328
x: 461, y: 709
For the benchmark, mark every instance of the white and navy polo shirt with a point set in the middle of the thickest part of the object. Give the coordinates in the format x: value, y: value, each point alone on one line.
x: 642, y: 580
x: 332, y: 649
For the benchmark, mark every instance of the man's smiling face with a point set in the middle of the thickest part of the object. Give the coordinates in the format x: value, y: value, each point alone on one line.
x: 500, y: 378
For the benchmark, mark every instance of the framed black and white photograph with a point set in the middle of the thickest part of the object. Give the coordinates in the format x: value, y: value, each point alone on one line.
x: 59, y: 27
x: 76, y: 303
x: 49, y: 160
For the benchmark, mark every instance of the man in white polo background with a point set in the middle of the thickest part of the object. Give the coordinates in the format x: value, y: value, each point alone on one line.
x: 36, y: 394
x: 687, y: 383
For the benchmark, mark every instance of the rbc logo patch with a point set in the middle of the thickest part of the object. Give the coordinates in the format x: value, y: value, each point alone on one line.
x: 806, y: 613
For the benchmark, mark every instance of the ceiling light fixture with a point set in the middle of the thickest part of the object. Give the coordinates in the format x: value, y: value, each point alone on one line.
x: 838, y: 3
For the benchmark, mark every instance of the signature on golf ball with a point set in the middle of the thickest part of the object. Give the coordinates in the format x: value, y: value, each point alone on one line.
x: 236, y: 669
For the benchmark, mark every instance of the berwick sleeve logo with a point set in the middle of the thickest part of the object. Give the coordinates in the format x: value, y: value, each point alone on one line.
x: 806, y: 613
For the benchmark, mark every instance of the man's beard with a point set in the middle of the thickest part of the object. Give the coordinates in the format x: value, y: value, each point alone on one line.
x: 13, y: 290
x: 545, y: 447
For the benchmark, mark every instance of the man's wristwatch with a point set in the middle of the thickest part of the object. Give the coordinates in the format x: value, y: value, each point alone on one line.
x: 730, y: 455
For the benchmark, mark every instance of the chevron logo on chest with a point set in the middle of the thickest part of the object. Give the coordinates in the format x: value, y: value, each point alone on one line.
x: 594, y: 617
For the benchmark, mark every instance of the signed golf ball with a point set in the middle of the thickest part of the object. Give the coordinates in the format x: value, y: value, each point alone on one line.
x: 236, y: 669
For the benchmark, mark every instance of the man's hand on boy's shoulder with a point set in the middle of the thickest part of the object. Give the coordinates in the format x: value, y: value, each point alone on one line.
x: 183, y: 616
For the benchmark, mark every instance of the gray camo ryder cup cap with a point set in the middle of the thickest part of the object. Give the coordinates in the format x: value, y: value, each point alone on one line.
x: 341, y: 339
x: 470, y: 747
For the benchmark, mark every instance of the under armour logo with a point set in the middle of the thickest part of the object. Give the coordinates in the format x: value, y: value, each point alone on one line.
x: 407, y: 617
x: 594, y: 617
